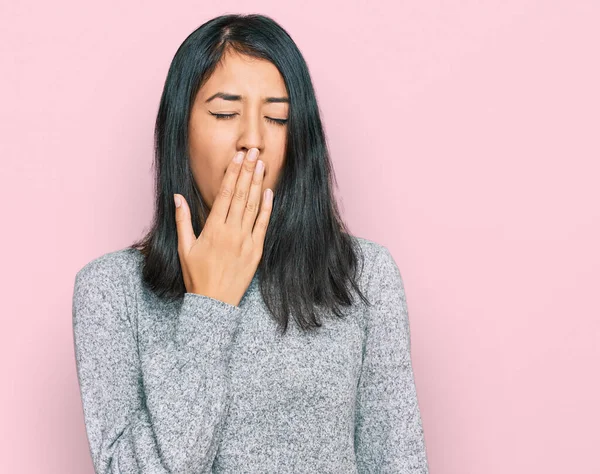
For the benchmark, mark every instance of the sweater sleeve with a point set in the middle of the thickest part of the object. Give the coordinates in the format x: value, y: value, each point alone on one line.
x: 161, y: 413
x: 389, y: 435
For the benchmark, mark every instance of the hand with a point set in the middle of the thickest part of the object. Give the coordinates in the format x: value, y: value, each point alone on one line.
x: 222, y: 261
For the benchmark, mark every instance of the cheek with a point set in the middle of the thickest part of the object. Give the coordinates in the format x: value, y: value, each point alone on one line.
x: 272, y: 174
x: 208, y: 175
x: 207, y: 138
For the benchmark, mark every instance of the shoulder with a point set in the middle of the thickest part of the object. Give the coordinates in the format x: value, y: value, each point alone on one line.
x: 369, y: 246
x: 369, y: 250
x: 381, y: 269
x: 110, y: 270
x: 374, y: 254
x: 104, y: 289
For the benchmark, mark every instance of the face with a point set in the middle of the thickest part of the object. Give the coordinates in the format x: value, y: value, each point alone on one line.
x: 247, y: 122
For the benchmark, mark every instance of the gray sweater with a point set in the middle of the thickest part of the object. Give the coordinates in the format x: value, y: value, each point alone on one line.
x: 200, y: 386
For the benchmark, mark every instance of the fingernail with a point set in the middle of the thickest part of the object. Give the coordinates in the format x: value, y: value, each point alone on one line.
x: 252, y: 154
x: 259, y: 167
x: 238, y: 157
x: 177, y: 200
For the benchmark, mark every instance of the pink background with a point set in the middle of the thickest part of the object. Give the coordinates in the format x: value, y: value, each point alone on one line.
x: 465, y: 137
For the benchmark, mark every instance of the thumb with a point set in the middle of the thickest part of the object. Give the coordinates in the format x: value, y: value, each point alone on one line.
x: 183, y: 220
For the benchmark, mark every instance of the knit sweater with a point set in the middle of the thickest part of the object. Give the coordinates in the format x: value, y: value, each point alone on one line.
x: 198, y: 385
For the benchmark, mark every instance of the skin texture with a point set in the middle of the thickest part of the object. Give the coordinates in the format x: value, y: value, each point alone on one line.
x: 214, y: 141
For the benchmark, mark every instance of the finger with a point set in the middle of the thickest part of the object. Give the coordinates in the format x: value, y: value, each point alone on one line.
x: 183, y: 220
x: 253, y: 204
x: 264, y: 216
x: 220, y: 207
x: 242, y: 189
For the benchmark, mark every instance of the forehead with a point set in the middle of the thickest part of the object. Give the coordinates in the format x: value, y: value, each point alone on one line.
x: 245, y: 75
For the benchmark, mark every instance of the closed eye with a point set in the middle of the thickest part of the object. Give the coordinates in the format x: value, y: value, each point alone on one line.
x: 229, y: 116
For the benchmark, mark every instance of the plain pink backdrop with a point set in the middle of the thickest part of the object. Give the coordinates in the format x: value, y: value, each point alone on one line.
x: 465, y: 137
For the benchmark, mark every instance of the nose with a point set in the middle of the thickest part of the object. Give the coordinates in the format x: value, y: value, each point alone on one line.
x: 251, y: 133
x: 246, y: 150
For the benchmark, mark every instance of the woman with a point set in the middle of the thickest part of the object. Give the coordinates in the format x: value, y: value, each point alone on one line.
x: 186, y: 356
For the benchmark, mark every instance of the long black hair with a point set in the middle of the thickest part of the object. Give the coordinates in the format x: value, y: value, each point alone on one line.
x: 310, y: 261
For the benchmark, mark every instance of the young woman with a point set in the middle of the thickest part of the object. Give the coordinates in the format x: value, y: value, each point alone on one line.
x: 248, y: 331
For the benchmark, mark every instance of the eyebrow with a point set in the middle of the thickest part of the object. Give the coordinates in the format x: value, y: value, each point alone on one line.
x: 234, y: 97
